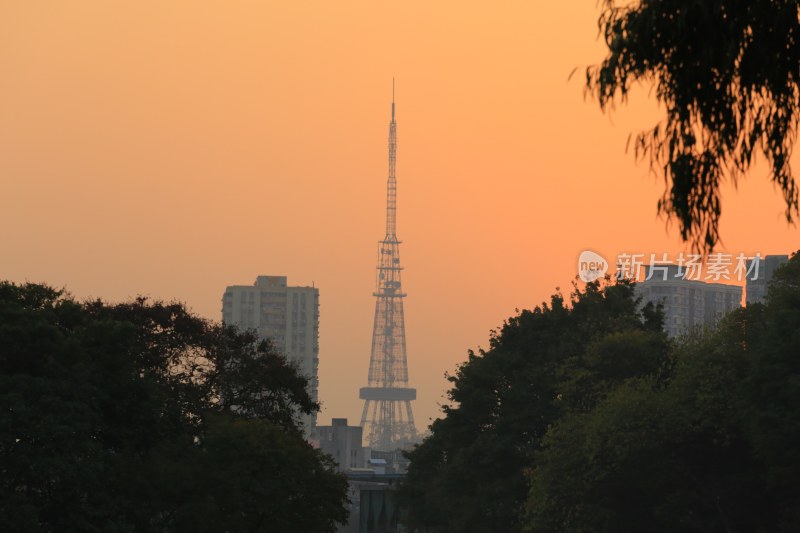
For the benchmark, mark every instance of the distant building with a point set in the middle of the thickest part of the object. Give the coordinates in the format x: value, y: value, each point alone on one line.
x: 371, y: 480
x: 392, y: 462
x: 757, y: 288
x: 343, y: 443
x: 378, y: 465
x: 289, y: 316
x: 686, y: 303
x: 372, y: 506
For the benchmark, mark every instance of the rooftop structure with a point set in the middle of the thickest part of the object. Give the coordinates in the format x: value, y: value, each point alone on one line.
x: 343, y: 443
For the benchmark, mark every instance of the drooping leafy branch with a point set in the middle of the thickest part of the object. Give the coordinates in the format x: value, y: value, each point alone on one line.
x: 727, y: 74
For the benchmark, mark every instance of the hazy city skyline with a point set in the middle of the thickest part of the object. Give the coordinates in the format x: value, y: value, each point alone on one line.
x: 173, y: 149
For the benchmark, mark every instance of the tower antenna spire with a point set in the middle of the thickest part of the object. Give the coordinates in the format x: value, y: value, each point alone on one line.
x: 387, y: 420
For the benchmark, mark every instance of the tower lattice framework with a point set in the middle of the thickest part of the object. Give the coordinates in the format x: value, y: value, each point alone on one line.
x: 387, y: 419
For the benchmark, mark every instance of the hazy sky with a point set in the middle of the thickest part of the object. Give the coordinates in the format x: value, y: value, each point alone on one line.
x: 172, y: 148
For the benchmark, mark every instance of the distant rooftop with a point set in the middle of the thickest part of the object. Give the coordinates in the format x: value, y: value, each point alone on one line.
x: 270, y: 281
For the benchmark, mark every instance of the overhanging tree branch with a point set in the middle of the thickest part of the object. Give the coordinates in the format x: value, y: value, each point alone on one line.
x: 727, y: 73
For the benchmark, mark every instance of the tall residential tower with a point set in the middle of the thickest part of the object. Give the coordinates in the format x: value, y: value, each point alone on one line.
x: 387, y: 419
x: 288, y: 316
x: 687, y: 303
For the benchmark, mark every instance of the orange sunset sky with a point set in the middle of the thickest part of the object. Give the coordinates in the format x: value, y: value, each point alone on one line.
x: 173, y: 148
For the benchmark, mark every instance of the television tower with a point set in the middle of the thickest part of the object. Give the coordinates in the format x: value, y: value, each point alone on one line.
x: 386, y: 418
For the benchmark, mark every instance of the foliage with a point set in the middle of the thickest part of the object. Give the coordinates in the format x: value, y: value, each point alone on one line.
x: 727, y: 74
x: 583, y: 417
x: 468, y: 475
x: 657, y: 456
x: 254, y: 476
x: 144, y: 417
x: 712, y: 446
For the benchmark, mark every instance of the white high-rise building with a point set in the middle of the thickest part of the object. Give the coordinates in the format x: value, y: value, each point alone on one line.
x: 687, y: 303
x: 289, y: 316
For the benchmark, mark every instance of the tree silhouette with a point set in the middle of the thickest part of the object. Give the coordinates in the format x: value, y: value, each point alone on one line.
x: 144, y: 417
x: 727, y: 74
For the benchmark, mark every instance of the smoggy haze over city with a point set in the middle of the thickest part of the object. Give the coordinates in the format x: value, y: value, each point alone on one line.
x: 173, y: 148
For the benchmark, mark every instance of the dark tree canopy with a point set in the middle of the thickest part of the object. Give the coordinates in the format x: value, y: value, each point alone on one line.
x: 583, y: 417
x: 563, y: 356
x: 713, y: 447
x: 727, y: 73
x: 144, y: 417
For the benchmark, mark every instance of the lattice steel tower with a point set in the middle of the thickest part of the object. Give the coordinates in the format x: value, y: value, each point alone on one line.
x: 386, y: 418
